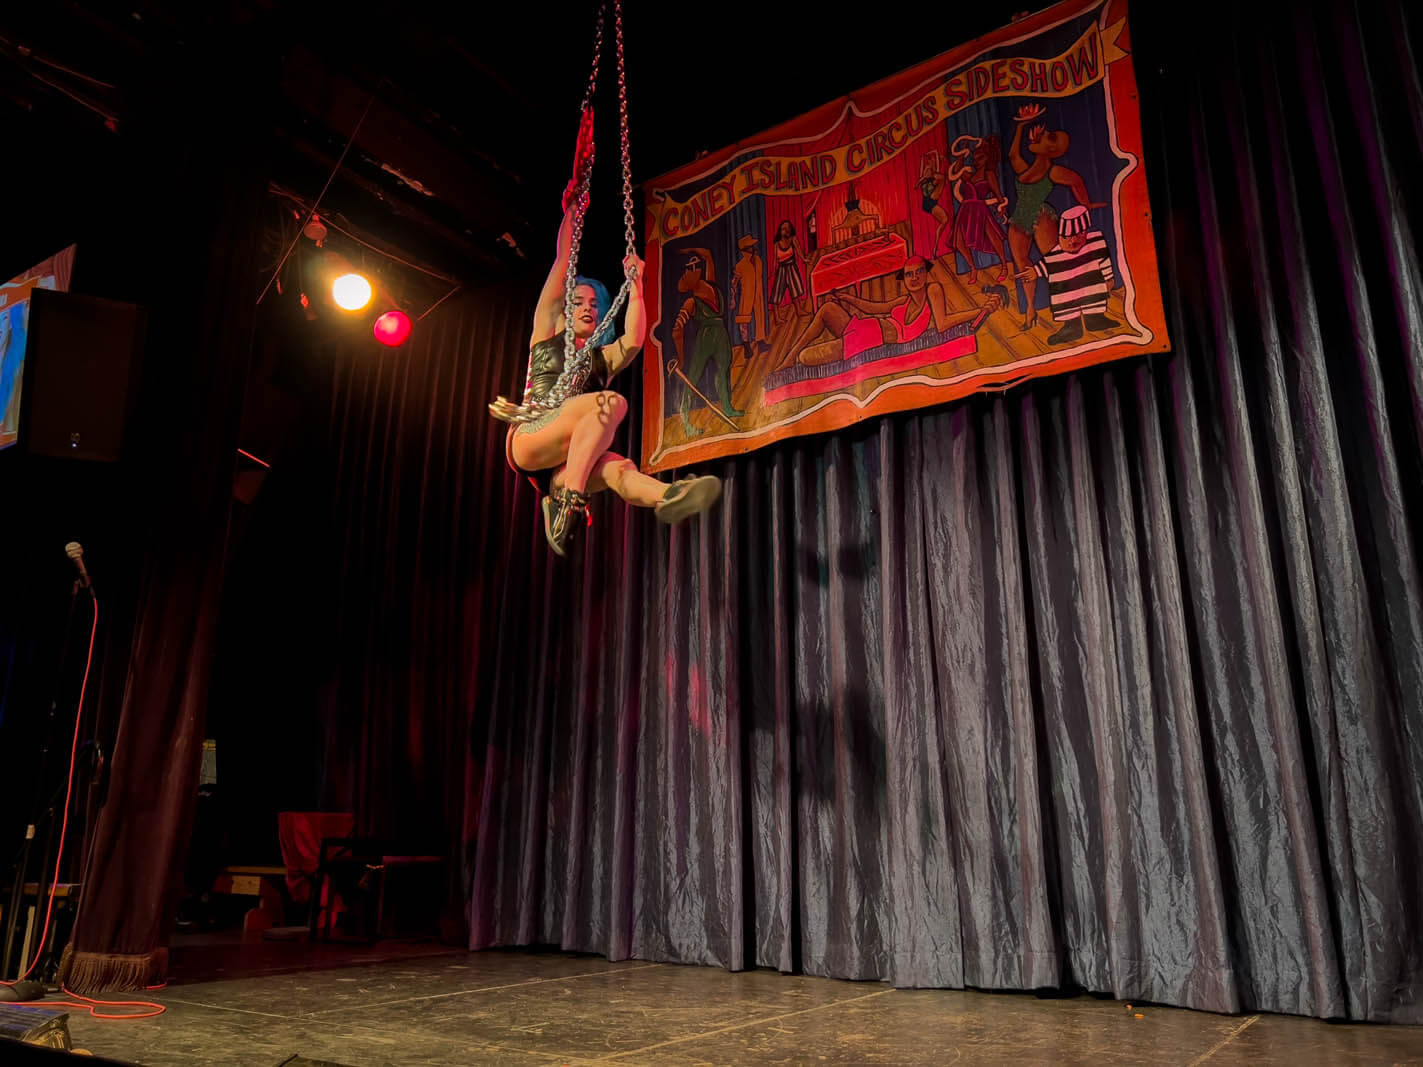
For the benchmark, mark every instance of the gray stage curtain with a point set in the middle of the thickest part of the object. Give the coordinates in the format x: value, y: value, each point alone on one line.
x: 1112, y: 682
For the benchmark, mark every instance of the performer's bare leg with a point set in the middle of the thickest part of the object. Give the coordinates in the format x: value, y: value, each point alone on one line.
x: 621, y: 475
x: 573, y: 438
x: 591, y: 438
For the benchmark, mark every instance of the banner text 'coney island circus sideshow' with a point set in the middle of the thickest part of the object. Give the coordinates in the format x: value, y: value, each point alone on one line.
x: 973, y: 222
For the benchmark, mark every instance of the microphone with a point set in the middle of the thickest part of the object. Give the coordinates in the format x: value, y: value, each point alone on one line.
x: 75, y: 551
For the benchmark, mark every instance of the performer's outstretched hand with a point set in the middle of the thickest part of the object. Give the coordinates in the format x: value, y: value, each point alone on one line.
x: 633, y: 268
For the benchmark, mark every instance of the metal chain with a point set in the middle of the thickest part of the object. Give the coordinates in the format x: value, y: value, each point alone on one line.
x: 576, y: 370
x: 628, y: 217
x: 597, y: 58
x: 578, y: 364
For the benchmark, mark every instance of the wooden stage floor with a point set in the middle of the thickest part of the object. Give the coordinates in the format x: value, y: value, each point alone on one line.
x: 436, y: 1006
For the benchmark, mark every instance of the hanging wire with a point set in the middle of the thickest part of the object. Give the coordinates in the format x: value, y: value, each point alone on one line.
x: 456, y: 288
x: 330, y: 224
x: 317, y: 203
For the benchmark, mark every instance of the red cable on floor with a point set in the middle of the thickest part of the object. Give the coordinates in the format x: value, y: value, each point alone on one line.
x: 89, y: 1002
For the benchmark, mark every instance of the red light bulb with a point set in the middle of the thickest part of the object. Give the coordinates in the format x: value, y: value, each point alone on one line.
x: 392, y: 328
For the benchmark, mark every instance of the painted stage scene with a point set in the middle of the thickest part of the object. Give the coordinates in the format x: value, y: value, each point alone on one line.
x: 968, y: 231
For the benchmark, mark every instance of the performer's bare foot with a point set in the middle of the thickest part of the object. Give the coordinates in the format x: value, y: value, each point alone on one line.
x: 687, y: 497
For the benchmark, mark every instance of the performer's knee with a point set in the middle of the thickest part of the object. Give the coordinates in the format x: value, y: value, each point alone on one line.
x: 611, y: 406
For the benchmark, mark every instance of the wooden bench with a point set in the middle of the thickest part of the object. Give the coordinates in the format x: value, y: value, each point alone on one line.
x: 267, y: 884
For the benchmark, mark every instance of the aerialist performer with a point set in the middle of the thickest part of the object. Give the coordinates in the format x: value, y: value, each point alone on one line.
x: 568, y: 416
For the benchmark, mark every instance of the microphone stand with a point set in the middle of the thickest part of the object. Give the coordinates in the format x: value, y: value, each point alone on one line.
x: 17, y: 890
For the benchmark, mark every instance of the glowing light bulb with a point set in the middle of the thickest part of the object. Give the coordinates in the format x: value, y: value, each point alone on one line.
x: 351, y: 292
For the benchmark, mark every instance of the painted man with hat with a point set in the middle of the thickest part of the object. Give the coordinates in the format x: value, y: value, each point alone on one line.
x: 748, y: 299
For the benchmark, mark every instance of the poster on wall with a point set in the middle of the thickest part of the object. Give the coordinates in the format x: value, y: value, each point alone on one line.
x: 971, y: 223
x: 53, y: 273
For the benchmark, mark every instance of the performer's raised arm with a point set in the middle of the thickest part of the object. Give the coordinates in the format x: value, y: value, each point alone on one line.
x: 548, y: 313
x: 634, y: 321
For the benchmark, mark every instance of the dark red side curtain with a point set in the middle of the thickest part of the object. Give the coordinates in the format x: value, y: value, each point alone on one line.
x: 198, y: 171
x: 1108, y: 683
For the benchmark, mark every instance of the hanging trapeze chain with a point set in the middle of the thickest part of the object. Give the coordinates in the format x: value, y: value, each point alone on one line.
x: 578, y: 363
x: 576, y: 369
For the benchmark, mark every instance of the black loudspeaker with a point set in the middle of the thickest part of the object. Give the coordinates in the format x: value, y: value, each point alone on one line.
x: 81, y: 375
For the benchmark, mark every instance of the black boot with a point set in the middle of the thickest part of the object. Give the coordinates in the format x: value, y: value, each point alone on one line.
x: 564, y: 509
x: 1071, y: 331
x: 1098, y: 321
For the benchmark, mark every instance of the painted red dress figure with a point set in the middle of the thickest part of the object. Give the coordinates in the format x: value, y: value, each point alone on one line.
x: 979, y: 225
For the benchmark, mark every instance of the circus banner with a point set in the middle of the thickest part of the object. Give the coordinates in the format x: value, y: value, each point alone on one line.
x: 969, y: 224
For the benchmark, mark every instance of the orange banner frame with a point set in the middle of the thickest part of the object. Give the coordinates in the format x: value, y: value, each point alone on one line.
x: 869, y: 141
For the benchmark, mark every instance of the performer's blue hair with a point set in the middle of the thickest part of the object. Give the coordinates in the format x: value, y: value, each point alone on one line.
x: 600, y: 292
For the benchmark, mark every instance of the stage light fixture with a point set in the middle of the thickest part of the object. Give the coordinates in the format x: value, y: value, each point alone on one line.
x: 351, y: 292
x: 392, y: 328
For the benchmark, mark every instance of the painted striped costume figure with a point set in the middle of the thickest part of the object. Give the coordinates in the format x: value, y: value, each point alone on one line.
x: 1079, y: 276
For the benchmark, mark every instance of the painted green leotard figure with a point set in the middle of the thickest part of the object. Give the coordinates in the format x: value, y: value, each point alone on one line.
x: 1033, y: 218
